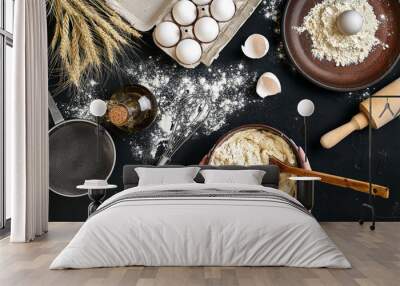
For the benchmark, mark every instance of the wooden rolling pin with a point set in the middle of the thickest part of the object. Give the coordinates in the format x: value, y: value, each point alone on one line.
x: 360, y: 186
x: 379, y: 115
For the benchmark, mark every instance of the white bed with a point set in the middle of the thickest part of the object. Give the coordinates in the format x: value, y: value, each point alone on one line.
x: 268, y: 228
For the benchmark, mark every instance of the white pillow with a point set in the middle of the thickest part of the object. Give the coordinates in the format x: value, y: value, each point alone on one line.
x: 247, y: 177
x: 166, y: 176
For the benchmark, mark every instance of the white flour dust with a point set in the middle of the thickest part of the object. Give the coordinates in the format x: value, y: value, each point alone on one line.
x: 271, y: 9
x: 78, y: 106
x: 226, y: 89
x: 359, y: 95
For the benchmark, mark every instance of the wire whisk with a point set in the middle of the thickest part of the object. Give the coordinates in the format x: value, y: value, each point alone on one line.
x: 185, y: 125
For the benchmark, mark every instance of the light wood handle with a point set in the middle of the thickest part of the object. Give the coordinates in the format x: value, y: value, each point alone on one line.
x: 377, y: 190
x: 333, y: 137
x: 387, y: 95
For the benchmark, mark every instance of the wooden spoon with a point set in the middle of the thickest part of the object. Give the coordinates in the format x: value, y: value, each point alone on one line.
x: 360, y: 186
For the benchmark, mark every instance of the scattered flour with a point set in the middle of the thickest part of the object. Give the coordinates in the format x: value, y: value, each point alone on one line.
x: 271, y: 9
x: 227, y: 88
x: 328, y: 43
x: 78, y: 105
x: 360, y: 95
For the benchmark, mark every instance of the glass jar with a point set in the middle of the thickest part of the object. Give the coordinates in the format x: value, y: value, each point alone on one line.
x: 132, y: 108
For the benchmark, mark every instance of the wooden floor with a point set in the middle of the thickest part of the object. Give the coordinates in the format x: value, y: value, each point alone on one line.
x: 375, y: 257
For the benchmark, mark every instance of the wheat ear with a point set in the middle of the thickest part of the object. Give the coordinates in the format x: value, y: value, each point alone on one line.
x: 91, y: 13
x: 118, y: 22
x: 115, y: 18
x: 56, y: 36
x: 109, y: 43
x: 65, y: 42
x: 57, y: 10
x: 91, y: 51
x: 86, y: 33
x: 75, y: 67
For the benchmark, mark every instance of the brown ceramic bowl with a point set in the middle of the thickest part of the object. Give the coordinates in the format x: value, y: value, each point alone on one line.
x: 326, y: 74
x: 264, y: 127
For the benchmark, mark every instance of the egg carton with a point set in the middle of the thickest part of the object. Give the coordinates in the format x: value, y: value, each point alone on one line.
x: 146, y: 14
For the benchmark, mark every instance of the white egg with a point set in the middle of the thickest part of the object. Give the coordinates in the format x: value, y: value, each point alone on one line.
x: 167, y: 34
x: 201, y: 2
x: 188, y: 51
x: 184, y: 12
x: 350, y: 22
x: 222, y: 10
x: 206, y: 29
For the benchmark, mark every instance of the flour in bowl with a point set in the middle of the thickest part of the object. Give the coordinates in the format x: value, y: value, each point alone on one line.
x: 329, y: 43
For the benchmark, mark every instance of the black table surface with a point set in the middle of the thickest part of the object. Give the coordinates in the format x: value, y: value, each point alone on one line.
x: 349, y: 159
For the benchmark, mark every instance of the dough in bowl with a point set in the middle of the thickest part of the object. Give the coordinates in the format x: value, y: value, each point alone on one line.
x: 253, y: 147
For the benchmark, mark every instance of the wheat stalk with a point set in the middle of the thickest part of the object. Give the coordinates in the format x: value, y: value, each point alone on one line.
x: 91, y: 13
x: 65, y: 40
x: 57, y: 30
x: 118, y: 22
x: 91, y: 50
x: 110, y: 45
x: 75, y: 66
x: 69, y: 9
x: 56, y: 36
x: 88, y: 34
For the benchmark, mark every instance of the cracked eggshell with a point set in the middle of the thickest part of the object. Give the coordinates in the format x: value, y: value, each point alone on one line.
x: 268, y: 84
x: 256, y: 46
x: 184, y: 12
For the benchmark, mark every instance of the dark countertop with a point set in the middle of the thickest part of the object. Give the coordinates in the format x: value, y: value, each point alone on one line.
x: 349, y: 159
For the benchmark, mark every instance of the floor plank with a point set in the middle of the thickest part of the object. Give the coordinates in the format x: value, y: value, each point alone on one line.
x: 375, y: 257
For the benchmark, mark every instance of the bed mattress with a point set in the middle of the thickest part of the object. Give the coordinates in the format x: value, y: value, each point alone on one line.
x: 201, y: 225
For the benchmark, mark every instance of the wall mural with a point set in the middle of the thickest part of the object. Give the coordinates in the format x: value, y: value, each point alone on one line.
x: 229, y: 86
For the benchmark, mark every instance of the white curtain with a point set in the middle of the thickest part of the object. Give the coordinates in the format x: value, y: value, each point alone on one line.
x: 27, y: 124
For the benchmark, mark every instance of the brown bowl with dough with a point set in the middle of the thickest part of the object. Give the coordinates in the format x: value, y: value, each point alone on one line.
x: 253, y: 144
